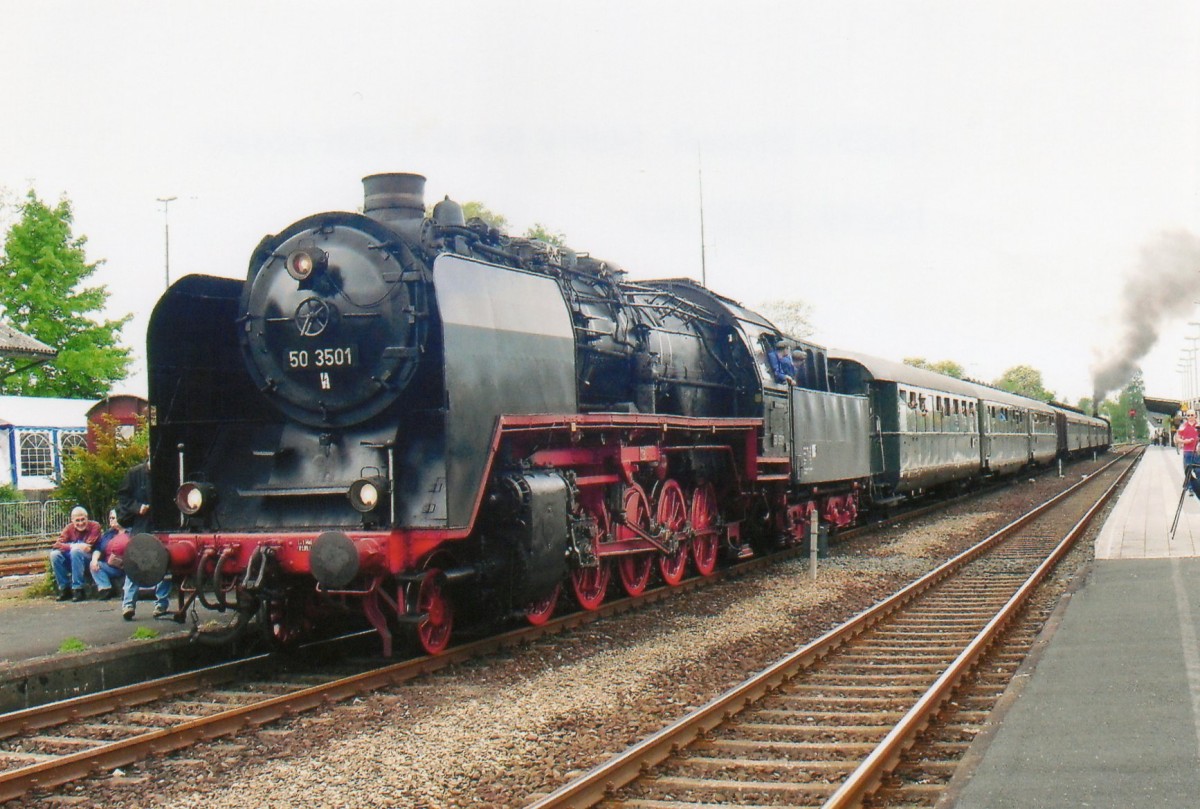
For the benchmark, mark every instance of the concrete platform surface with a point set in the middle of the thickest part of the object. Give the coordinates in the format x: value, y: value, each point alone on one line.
x: 38, y: 627
x: 1108, y: 715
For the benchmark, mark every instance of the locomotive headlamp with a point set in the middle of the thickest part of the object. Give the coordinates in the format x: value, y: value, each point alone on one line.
x: 366, y: 494
x: 306, y: 261
x: 193, y: 498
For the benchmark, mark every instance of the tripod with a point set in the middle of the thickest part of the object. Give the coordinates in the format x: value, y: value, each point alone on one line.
x: 1190, y: 474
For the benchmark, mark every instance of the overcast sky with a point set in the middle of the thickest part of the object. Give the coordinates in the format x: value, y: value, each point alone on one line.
x: 936, y: 179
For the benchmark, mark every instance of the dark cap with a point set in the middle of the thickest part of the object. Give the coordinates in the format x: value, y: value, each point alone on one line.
x: 781, y: 344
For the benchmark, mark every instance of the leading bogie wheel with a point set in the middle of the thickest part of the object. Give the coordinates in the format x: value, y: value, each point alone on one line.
x: 433, y: 632
x: 540, y: 611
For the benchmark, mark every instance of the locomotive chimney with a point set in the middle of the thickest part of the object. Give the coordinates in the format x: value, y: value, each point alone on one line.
x: 394, y: 198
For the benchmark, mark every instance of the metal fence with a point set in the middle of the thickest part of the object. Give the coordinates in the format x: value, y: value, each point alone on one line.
x: 30, y: 519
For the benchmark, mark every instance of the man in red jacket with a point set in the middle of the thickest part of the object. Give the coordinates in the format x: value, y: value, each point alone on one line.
x: 1187, y: 438
x: 74, y: 547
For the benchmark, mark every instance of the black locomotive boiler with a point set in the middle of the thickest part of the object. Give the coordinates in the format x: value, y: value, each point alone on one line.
x: 435, y: 423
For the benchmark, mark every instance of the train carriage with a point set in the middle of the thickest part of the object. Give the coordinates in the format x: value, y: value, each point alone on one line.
x: 1079, y: 433
x: 926, y: 430
x: 1006, y: 426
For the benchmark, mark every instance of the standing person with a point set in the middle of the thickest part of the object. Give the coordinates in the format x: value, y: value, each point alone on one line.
x: 800, y: 363
x: 107, y: 558
x: 781, y: 364
x: 1187, y: 439
x: 133, y: 499
x: 133, y: 512
x: 73, y: 548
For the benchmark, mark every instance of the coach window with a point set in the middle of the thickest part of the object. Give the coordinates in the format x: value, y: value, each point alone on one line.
x: 37, y: 455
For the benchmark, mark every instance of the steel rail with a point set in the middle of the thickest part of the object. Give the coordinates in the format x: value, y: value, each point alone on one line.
x: 599, y: 782
x: 866, y: 778
x: 19, y: 781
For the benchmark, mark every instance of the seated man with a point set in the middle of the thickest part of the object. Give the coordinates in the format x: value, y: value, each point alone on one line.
x: 74, y: 546
x: 107, y: 559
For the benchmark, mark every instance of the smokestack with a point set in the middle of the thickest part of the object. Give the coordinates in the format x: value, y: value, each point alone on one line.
x: 394, y: 198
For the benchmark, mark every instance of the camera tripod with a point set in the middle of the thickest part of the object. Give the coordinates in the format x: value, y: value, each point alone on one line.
x: 1190, y: 474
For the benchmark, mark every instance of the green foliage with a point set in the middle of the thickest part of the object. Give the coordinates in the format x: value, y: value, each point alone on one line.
x: 1024, y: 381
x: 43, y: 587
x: 1132, y: 398
x: 92, y: 479
x: 477, y: 210
x: 144, y: 633
x: 544, y: 234
x: 944, y: 367
x: 10, y: 494
x: 792, y: 317
x: 72, y: 645
x: 41, y: 287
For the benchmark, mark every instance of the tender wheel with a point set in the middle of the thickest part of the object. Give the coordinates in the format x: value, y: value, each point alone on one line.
x: 707, y: 543
x: 433, y: 633
x: 590, y: 584
x: 539, y: 612
x: 672, y: 515
x: 635, y: 568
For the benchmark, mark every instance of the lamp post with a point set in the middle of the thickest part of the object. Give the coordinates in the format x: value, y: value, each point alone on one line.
x: 1187, y: 359
x: 166, y: 203
x: 1195, y: 372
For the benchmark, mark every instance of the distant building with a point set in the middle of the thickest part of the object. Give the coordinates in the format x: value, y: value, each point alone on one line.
x: 123, y: 410
x: 18, y: 345
x: 35, y: 433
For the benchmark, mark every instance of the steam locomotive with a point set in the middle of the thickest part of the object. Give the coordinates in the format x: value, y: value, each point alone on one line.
x: 434, y: 424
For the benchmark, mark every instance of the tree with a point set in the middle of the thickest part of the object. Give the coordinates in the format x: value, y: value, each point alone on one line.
x: 1024, y: 381
x: 42, y: 273
x: 792, y: 317
x: 477, y: 210
x: 945, y: 367
x: 544, y: 234
x: 1132, y: 398
x: 92, y: 479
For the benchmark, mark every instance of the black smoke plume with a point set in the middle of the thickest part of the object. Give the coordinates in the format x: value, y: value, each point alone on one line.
x: 1161, y: 288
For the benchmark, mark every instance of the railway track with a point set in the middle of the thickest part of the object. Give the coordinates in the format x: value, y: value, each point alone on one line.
x: 22, y: 565
x: 827, y: 724
x: 55, y: 744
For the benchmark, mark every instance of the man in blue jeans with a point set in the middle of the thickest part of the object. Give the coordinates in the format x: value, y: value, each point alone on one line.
x: 1187, y: 438
x: 133, y: 512
x: 72, y: 550
x: 107, y: 560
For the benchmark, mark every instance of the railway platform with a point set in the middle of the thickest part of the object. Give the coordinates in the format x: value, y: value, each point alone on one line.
x: 51, y: 650
x: 1106, y: 711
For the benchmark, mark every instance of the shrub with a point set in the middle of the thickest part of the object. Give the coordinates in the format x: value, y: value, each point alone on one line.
x: 92, y: 479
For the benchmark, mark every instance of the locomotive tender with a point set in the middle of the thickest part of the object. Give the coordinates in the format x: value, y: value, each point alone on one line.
x: 433, y: 422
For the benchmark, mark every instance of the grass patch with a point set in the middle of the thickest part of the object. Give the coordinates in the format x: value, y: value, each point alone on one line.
x: 144, y: 633
x: 71, y: 645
